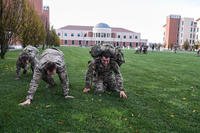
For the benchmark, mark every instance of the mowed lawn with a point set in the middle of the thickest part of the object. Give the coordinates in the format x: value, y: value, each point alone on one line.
x: 163, y: 96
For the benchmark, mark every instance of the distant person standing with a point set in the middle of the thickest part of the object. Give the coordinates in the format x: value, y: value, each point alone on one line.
x: 198, y: 52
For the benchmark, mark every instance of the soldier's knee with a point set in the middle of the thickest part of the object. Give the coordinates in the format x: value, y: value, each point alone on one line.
x: 99, y: 91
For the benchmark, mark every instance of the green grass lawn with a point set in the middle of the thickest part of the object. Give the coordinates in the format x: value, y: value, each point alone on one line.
x: 162, y: 87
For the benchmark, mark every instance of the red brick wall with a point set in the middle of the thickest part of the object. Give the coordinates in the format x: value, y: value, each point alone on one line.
x: 171, y: 32
x: 37, y: 5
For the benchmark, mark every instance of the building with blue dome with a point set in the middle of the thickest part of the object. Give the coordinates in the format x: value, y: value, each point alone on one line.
x: 101, y: 25
x: 90, y: 35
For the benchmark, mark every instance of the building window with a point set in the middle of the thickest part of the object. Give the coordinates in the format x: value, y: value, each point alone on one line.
x: 130, y: 37
x: 72, y: 34
x: 191, y: 29
x: 79, y: 42
x: 108, y: 35
x: 136, y: 44
x: 124, y: 44
x: 125, y: 37
x: 192, y: 23
x: 78, y: 35
x: 190, y: 35
x: 197, y: 29
x: 182, y: 22
x: 130, y: 44
x: 65, y: 34
x: 118, y: 36
x: 194, y: 29
x: 58, y: 34
x: 72, y: 42
x: 104, y: 35
x: 190, y: 41
x: 65, y: 42
x: 181, y: 34
x: 182, y: 29
x: 136, y: 37
x: 117, y: 43
x: 86, y: 42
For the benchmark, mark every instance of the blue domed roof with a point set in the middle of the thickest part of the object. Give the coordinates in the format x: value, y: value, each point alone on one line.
x: 102, y: 25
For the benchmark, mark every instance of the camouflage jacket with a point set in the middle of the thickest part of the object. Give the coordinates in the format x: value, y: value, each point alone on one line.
x: 49, y: 55
x: 32, y: 54
x: 96, y: 71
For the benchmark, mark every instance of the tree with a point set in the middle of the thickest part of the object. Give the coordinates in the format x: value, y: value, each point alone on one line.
x: 33, y: 32
x: 197, y: 45
x: 19, y: 20
x: 10, y: 22
x: 186, y: 45
x: 52, y: 38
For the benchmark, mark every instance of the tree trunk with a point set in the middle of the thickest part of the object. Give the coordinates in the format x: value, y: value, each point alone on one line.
x: 3, y: 51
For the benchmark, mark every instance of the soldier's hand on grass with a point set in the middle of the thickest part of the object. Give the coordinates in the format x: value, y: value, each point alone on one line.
x: 27, y: 102
x: 122, y: 94
x: 85, y: 90
x: 17, y: 78
x: 69, y: 97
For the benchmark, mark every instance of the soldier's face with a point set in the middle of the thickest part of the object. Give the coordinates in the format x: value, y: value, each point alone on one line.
x: 51, y: 72
x: 105, y: 61
x: 25, y: 61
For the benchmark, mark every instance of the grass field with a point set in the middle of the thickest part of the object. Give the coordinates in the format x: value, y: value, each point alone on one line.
x: 162, y: 87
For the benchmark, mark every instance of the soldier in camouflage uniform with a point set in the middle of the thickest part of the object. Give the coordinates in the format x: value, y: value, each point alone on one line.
x: 28, y: 55
x: 105, y: 74
x: 51, y: 62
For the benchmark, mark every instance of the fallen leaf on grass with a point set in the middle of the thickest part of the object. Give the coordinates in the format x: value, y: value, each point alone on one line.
x: 47, y: 106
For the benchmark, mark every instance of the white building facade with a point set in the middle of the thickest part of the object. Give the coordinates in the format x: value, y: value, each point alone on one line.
x: 187, y: 31
x: 178, y: 30
x: 89, y: 35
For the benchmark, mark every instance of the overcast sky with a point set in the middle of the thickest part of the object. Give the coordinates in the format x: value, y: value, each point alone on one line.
x: 144, y: 16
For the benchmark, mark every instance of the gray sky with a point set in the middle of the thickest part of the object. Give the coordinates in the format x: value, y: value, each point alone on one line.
x: 144, y: 16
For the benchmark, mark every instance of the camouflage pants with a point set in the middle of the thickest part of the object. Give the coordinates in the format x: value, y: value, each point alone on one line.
x: 25, y: 68
x: 102, y: 85
x: 49, y: 80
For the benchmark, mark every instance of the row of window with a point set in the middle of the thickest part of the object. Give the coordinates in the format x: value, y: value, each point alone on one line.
x: 191, y: 35
x: 191, y: 29
x: 72, y: 35
x: 86, y: 43
x: 190, y: 41
x: 130, y: 37
x: 102, y: 35
x: 192, y: 23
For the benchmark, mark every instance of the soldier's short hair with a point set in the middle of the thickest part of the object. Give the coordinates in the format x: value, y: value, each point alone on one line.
x: 24, y: 58
x: 50, y: 66
x: 106, y: 54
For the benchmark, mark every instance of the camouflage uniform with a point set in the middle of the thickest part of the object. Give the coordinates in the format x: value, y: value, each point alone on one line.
x: 57, y: 57
x: 31, y: 54
x: 104, y: 78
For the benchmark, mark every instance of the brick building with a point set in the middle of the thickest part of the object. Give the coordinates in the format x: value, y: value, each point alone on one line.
x: 177, y: 30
